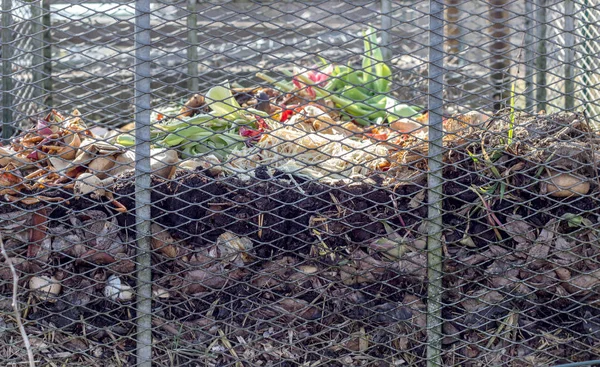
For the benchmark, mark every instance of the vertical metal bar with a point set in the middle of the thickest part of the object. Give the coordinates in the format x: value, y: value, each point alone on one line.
x: 386, y: 26
x: 37, y: 44
x: 500, y: 48
x: 453, y: 34
x: 588, y: 57
x: 569, y: 55
x: 529, y: 53
x: 434, y: 183
x: 142, y: 182
x: 192, y: 51
x: 7, y: 82
x: 47, y: 53
x: 541, y: 63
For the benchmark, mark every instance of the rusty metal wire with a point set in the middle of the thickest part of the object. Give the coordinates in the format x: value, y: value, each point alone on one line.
x: 300, y: 183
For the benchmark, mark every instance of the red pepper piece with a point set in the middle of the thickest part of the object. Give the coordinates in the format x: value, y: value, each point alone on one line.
x: 285, y: 115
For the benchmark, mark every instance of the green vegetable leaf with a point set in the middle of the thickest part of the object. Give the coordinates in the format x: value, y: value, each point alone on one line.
x: 367, y: 60
x: 222, y: 103
x: 172, y: 140
x: 382, y: 83
x: 323, y: 61
x: 363, y: 94
x: 355, y: 94
x: 399, y: 110
x: 125, y: 140
x: 382, y: 71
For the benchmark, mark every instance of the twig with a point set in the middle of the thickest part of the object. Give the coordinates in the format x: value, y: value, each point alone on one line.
x: 15, y: 304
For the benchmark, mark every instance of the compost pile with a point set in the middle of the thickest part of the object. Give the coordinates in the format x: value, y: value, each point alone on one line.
x: 274, y: 267
x: 289, y: 228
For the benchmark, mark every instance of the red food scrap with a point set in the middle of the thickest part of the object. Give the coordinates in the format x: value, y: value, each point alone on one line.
x: 261, y: 123
x: 285, y: 115
x: 246, y: 132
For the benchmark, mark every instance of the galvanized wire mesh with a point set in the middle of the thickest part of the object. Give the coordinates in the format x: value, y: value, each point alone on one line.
x: 208, y: 183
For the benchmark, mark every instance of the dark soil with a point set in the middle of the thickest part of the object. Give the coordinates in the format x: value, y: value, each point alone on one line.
x: 197, y: 208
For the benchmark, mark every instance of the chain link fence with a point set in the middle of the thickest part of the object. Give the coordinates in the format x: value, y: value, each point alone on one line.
x: 314, y: 183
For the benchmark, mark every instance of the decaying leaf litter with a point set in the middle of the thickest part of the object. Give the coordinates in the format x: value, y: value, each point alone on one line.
x: 259, y: 258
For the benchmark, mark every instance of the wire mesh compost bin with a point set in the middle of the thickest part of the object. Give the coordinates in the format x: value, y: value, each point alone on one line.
x: 299, y: 183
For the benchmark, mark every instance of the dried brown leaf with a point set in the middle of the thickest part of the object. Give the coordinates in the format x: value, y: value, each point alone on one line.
x: 521, y: 231
x: 358, y: 341
x: 537, y: 255
x: 192, y: 106
x: 582, y: 284
x: 564, y: 250
x: 163, y: 242
x: 38, y: 231
x: 481, y: 297
x: 199, y: 280
x: 413, y: 263
x: 123, y: 264
x: 299, y: 308
x: 417, y: 200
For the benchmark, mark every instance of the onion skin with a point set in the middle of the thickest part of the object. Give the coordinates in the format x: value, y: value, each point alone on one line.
x: 564, y: 185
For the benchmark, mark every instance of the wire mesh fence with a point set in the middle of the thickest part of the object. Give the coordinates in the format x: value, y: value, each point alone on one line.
x: 315, y: 183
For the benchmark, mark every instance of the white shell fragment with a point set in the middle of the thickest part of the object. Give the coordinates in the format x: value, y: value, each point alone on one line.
x: 161, y: 162
x: 73, y: 142
x: 45, y: 288
x: 160, y: 293
x: 87, y: 183
x: 117, y: 290
x: 207, y: 161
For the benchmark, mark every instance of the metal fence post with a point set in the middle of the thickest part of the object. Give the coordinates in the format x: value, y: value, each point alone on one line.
x: 541, y: 62
x: 386, y: 26
x: 434, y: 183
x: 7, y: 82
x: 142, y: 76
x: 37, y: 60
x: 500, y: 50
x: 529, y: 53
x: 47, y: 53
x: 192, y: 50
x: 569, y: 55
x: 587, y: 59
x: 454, y: 42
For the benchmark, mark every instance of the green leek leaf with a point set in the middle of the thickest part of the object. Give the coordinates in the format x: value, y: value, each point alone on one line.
x: 125, y: 140
x: 222, y: 103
